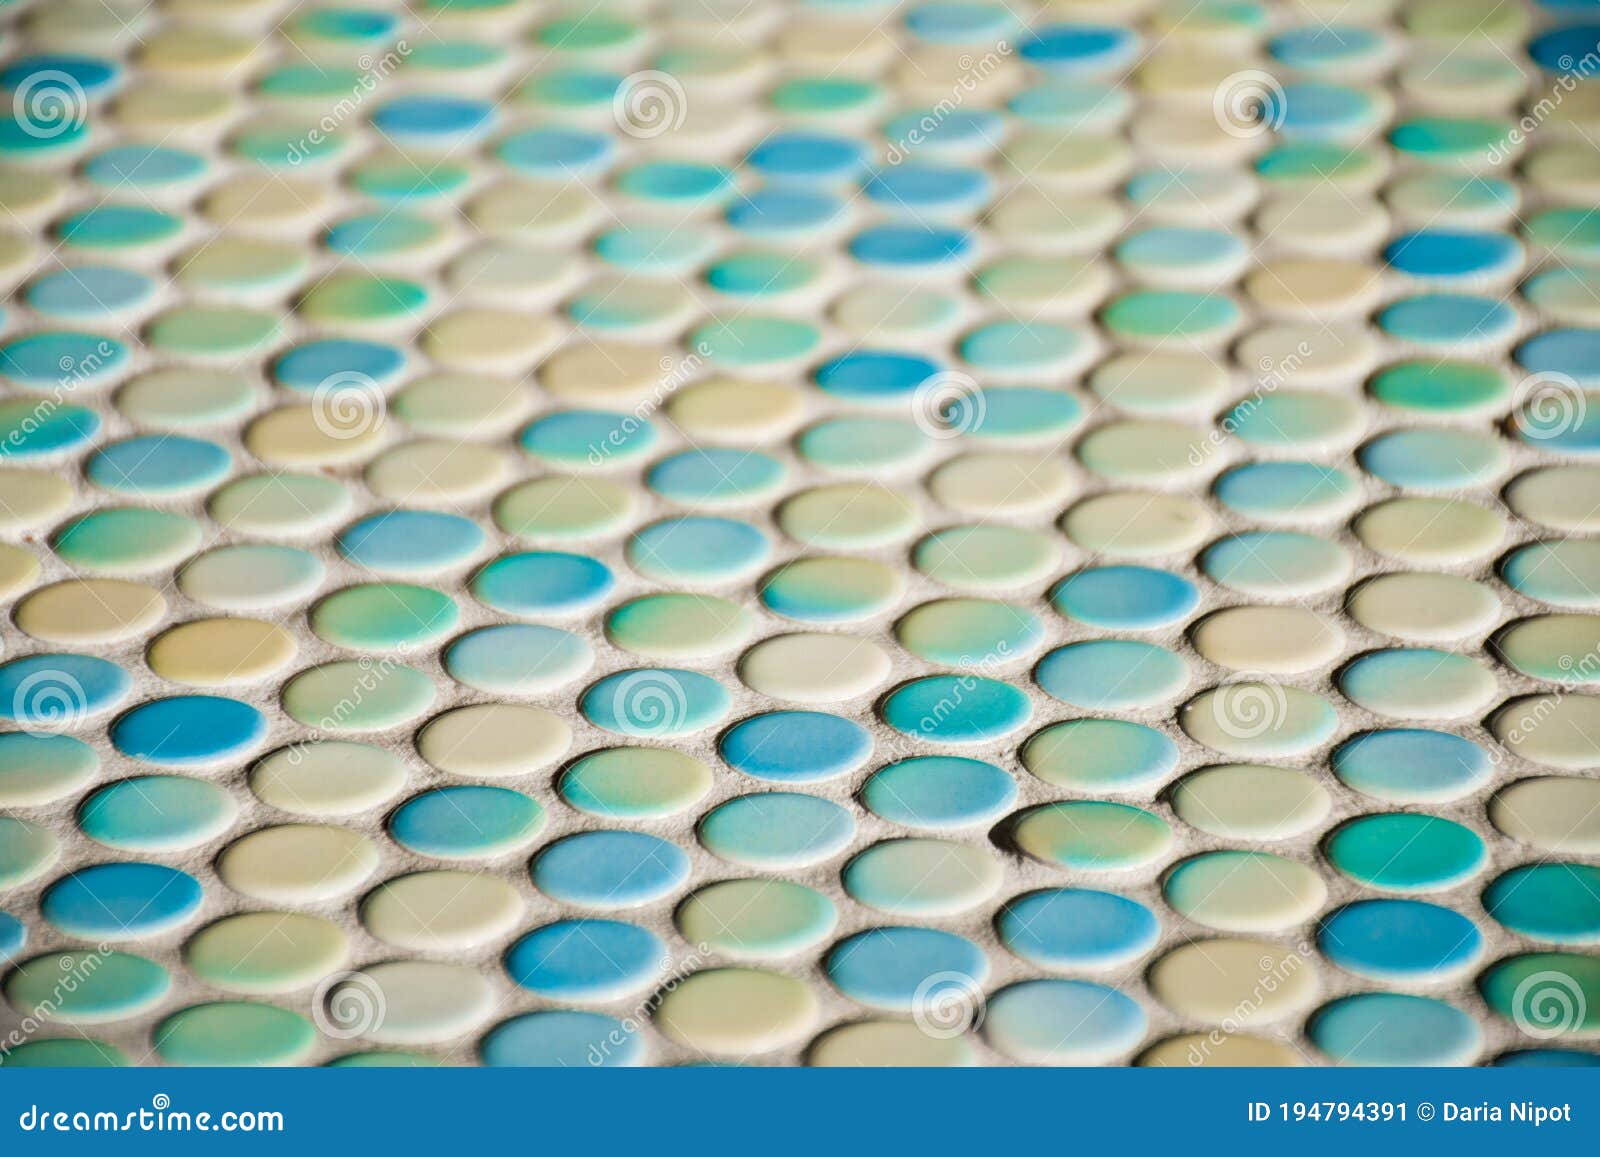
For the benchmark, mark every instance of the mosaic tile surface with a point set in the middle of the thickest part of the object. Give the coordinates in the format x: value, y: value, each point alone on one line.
x: 800, y: 533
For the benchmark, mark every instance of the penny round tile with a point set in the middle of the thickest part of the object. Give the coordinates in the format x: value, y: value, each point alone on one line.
x: 1251, y: 801
x: 777, y: 830
x: 814, y: 668
x: 585, y: 960
x: 258, y: 953
x: 1406, y: 852
x: 441, y: 911
x: 1551, y: 813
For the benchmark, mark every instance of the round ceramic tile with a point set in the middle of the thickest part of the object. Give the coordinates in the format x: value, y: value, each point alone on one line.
x: 847, y: 516
x: 1252, y: 718
x: 517, y: 659
x: 560, y: 508
x: 1411, y: 765
x: 1417, y: 684
x: 814, y: 668
x: 1429, y: 531
x: 410, y: 1001
x: 1091, y: 835
x: 1440, y: 387
x: 1143, y: 451
x: 410, y: 542
x: 157, y: 813
x: 585, y: 960
x: 1063, y: 1022
x: 1547, y: 995
x: 906, y: 969
x: 678, y: 626
x: 1433, y: 459
x: 610, y: 869
x: 1406, y: 852
x: 1243, y: 984
x: 887, y: 1044
x: 180, y: 399
x: 1100, y: 755
x: 1064, y: 929
x: 561, y: 1038
x: 120, y: 985
x: 1564, y: 572
x: 922, y: 878
x: 1276, y: 564
x: 952, y: 632
x: 1557, y: 496
x: 831, y: 590
x: 1271, y: 640
x: 1159, y: 382
x: 358, y: 695
x: 493, y: 740
x: 1245, y: 891
x: 46, y: 692
x: 279, y: 505
x: 1386, y: 1028
x: 31, y: 498
x: 221, y: 652
x: 737, y: 1011
x: 1134, y: 524
x: 756, y: 919
x: 1230, y: 1050
x: 130, y: 540
x: 635, y: 783
x: 1425, y: 608
x: 1551, y: 813
x: 988, y: 485
x: 1112, y: 674
x: 328, y: 778
x: 189, y: 730
x: 698, y: 550
x: 107, y: 902
x: 297, y: 863
x: 1251, y: 801
x: 40, y: 769
x: 956, y: 710
x: 335, y: 433
x: 441, y: 911
x: 986, y: 557
x: 1125, y: 597
x: 542, y: 583
x: 90, y: 611
x: 383, y: 616
x: 257, y: 953
x: 777, y: 830
x: 1553, y: 902
x: 31, y: 436
x: 655, y: 702
x: 31, y: 850
x: 470, y: 821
